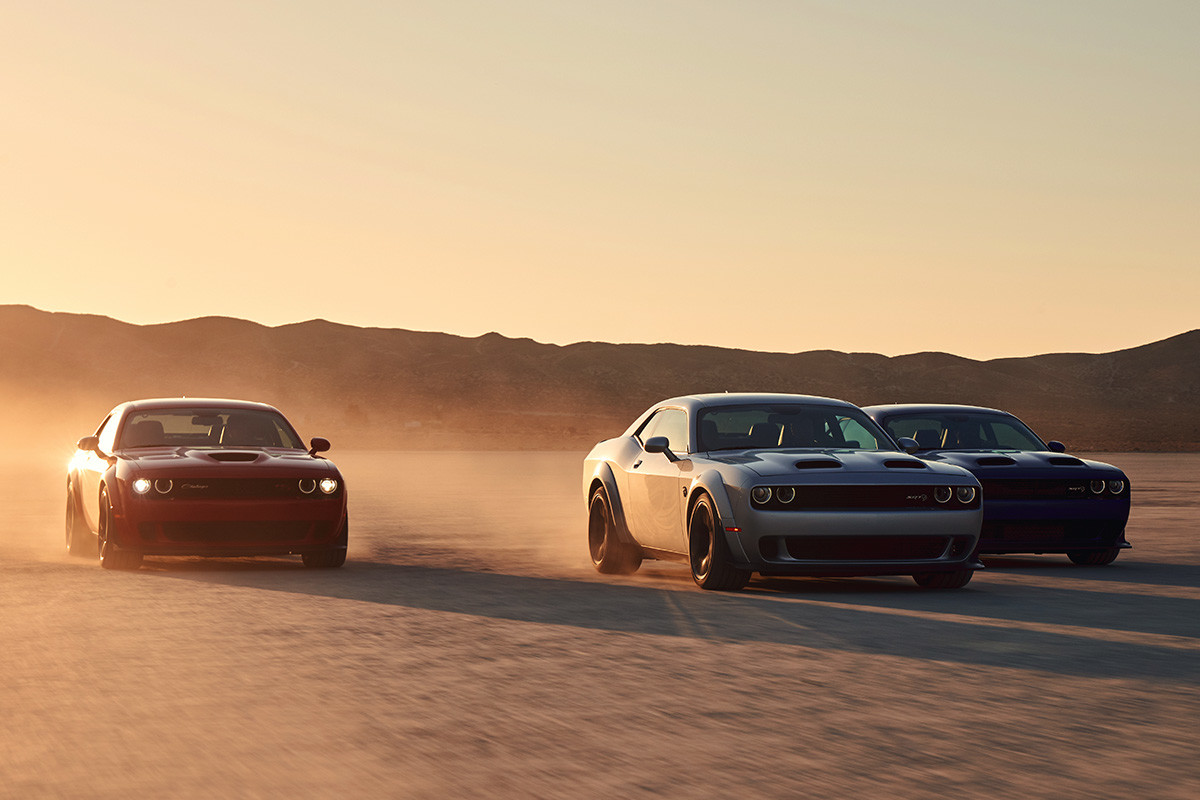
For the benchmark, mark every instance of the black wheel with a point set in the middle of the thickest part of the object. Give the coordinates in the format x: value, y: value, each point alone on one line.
x: 112, y: 556
x: 944, y: 580
x: 609, y: 554
x: 1094, y: 558
x: 329, y: 559
x: 78, y: 536
x: 708, y: 553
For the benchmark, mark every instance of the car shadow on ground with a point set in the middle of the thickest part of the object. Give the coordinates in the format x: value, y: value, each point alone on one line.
x: 1066, y: 631
x: 1127, y: 568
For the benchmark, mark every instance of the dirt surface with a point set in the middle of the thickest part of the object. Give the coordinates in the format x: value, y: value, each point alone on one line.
x: 468, y: 650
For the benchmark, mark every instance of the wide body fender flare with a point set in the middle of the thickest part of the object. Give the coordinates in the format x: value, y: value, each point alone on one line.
x: 604, y: 474
x: 712, y: 484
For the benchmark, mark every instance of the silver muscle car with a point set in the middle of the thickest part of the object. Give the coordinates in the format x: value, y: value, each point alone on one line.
x: 776, y: 484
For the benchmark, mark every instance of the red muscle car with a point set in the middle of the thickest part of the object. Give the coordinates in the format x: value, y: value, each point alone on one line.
x: 203, y: 477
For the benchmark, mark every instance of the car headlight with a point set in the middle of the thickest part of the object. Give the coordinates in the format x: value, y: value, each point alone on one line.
x: 1116, y: 487
x: 163, y: 485
x: 965, y: 494
x: 141, y: 485
x: 1097, y: 487
x: 328, y: 485
x: 307, y: 485
x: 942, y: 494
x: 760, y: 494
x: 785, y: 494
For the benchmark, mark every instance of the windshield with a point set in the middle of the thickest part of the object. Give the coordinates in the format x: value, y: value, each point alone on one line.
x: 788, y: 426
x: 958, y: 431
x: 207, y: 427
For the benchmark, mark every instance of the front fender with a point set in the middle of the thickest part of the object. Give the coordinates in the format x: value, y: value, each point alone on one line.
x: 116, y: 481
x: 603, y: 473
x: 711, y: 483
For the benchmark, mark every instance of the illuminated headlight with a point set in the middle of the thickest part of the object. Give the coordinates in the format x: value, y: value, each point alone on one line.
x: 1097, y: 487
x: 785, y: 494
x: 141, y: 486
x: 328, y: 485
x: 1116, y: 487
x: 942, y: 494
x: 163, y: 485
x: 308, y: 485
x: 760, y: 494
x: 965, y: 494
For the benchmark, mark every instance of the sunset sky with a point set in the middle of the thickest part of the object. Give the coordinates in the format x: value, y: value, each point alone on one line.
x: 984, y: 178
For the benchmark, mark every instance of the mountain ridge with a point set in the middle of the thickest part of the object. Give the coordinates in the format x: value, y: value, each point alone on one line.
x: 398, y: 388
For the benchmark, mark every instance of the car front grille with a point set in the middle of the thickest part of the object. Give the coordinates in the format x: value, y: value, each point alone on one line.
x: 860, y: 498
x: 235, y: 489
x: 1019, y: 489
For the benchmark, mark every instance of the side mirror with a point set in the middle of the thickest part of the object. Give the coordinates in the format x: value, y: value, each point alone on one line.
x: 908, y: 445
x: 659, y: 444
x: 91, y: 443
x: 1056, y: 447
x: 318, y: 445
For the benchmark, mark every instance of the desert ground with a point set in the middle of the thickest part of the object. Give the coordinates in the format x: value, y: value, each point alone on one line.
x: 467, y: 649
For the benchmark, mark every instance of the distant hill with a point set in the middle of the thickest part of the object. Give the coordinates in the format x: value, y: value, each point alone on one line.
x: 390, y: 388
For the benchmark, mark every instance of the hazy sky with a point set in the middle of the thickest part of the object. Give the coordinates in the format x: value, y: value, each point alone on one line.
x: 985, y: 178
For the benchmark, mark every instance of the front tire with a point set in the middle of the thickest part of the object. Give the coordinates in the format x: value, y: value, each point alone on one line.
x: 610, y: 556
x: 329, y: 559
x: 708, y: 552
x: 944, y: 580
x: 1094, y: 558
x: 78, y: 536
x: 112, y: 556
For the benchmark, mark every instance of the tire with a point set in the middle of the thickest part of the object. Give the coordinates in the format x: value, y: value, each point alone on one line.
x: 944, y: 580
x: 1094, y: 558
x: 78, y: 536
x: 610, y: 556
x: 708, y: 552
x: 329, y: 559
x: 112, y: 556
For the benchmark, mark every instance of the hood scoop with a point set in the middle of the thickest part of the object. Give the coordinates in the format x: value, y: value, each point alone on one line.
x: 1065, y: 461
x: 904, y: 463
x: 234, y: 457
x: 818, y: 463
x: 995, y: 461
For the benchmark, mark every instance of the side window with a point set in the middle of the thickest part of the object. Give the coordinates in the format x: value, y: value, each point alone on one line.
x: 107, y: 432
x: 671, y: 423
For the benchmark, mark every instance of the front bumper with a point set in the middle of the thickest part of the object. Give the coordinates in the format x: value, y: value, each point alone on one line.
x: 853, y: 542
x: 232, y: 527
x: 1053, y: 526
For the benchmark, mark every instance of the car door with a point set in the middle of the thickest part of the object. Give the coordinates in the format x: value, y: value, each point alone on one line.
x: 655, y: 484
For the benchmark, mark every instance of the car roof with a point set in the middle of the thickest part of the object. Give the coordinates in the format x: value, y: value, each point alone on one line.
x: 193, y: 402
x: 931, y: 408
x: 749, y: 398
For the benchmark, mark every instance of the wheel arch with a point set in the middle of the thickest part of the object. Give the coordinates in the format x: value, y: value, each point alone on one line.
x: 109, y: 483
x: 710, y: 483
x: 602, y: 478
